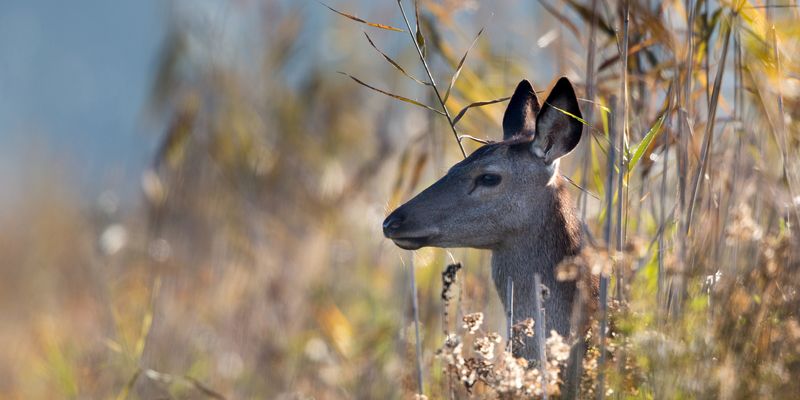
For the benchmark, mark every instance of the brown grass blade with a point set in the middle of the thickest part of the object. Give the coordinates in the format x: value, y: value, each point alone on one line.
x: 561, y: 18
x: 460, y: 65
x: 397, y: 187
x: 586, y: 14
x: 420, y: 38
x: 474, y: 139
x: 123, y: 395
x: 430, y: 77
x: 393, y: 62
x: 354, y: 18
x: 641, y: 46
x: 392, y: 95
x: 417, y: 169
x: 539, y: 327
x: 202, y: 388
x: 477, y: 104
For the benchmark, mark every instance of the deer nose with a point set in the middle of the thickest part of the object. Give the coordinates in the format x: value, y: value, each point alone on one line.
x: 393, y: 222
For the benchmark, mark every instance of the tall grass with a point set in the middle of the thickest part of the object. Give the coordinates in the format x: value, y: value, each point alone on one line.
x: 250, y: 264
x: 690, y: 247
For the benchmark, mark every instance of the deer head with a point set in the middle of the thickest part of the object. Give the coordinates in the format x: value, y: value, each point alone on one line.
x: 502, y: 190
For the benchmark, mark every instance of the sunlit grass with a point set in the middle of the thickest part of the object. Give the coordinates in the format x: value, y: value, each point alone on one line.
x: 251, y: 265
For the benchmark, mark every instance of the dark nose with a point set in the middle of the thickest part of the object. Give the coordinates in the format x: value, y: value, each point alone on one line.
x: 393, y: 222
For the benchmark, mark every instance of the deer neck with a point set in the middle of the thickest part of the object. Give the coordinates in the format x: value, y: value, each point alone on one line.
x: 554, y: 234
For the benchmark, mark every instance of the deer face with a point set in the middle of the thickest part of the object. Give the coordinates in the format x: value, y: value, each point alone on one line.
x: 502, y: 189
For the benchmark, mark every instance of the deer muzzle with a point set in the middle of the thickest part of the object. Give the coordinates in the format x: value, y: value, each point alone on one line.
x: 397, y: 228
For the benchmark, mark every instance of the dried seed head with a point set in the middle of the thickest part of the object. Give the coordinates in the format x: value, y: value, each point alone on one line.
x: 484, y: 347
x: 589, y: 260
x: 567, y: 270
x: 448, y: 279
x: 472, y: 322
x: 451, y: 351
x: 742, y: 226
x: 556, y: 347
x: 524, y: 327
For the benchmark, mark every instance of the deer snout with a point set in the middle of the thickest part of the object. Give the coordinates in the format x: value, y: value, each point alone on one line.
x: 405, y: 233
x: 393, y: 223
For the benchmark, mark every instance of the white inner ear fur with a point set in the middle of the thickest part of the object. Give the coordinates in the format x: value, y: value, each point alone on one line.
x: 551, y: 167
x: 537, y: 151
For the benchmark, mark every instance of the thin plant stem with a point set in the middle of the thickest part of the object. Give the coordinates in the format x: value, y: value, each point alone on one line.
x: 415, y: 306
x: 589, y: 114
x: 663, y: 208
x: 707, y: 64
x: 610, y: 182
x: 622, y: 176
x: 738, y: 107
x: 623, y: 135
x: 430, y: 77
x: 510, y: 313
x: 685, y: 104
x: 709, y: 136
x: 539, y: 327
x: 604, y: 278
x: 781, y: 117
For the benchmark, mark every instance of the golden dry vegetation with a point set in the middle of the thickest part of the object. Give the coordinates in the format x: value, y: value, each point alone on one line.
x: 249, y: 263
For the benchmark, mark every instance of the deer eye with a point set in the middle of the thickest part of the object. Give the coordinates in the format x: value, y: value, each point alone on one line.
x: 488, y: 180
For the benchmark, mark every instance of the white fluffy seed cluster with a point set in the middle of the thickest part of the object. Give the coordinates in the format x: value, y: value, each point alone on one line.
x: 502, y: 373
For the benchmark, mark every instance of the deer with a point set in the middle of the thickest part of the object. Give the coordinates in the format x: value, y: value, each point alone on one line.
x: 509, y: 197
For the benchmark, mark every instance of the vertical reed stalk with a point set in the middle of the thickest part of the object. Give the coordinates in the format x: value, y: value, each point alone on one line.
x: 663, y: 197
x: 685, y: 104
x: 604, y: 278
x: 622, y: 138
x: 589, y: 114
x: 510, y: 314
x: 707, y: 64
x: 782, y: 117
x: 415, y: 306
x: 575, y: 369
x: 708, y: 141
x: 738, y: 106
x: 540, y: 330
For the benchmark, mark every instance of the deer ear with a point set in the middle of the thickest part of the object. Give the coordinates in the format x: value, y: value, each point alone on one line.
x: 557, y: 132
x: 520, y: 116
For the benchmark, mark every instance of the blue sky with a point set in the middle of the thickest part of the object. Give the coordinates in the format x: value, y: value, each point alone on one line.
x: 75, y: 76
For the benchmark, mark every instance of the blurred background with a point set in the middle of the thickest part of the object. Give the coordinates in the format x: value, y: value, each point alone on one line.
x: 193, y: 194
